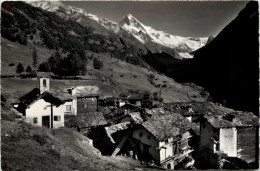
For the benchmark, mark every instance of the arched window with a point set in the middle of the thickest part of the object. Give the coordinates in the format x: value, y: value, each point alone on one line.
x: 169, y: 166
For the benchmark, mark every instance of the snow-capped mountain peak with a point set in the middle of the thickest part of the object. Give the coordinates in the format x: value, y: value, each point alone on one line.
x: 144, y: 34
x: 129, y: 24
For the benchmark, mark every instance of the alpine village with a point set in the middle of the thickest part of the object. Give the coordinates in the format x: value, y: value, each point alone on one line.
x: 81, y: 92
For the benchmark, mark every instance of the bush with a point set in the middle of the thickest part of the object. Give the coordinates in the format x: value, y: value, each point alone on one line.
x: 19, y: 68
x: 11, y: 64
x: 28, y: 69
x: 44, y: 67
x: 97, y: 64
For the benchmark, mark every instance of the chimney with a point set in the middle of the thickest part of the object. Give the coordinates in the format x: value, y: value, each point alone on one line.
x: 44, y: 85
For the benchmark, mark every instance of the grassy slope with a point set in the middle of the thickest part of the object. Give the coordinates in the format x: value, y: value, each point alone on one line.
x: 13, y: 52
x: 125, y: 76
x: 136, y: 77
x: 34, y: 148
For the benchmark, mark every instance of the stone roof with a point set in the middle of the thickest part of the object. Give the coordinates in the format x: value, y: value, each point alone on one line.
x: 156, y: 112
x: 61, y: 93
x: 117, y: 127
x: 168, y: 126
x: 87, y: 120
x: 85, y: 91
x: 240, y: 119
x: 196, y: 108
x: 135, y: 116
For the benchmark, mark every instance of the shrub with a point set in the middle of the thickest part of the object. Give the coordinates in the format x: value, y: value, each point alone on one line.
x: 11, y: 64
x: 19, y: 68
x: 44, y: 67
x: 97, y: 64
x: 28, y: 69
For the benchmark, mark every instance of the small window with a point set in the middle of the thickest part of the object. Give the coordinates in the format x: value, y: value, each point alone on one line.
x: 148, y: 137
x: 140, y: 134
x: 45, y: 108
x: 85, y: 106
x: 68, y: 108
x: 44, y: 83
x: 35, y: 120
x: 168, y: 166
x: 57, y: 118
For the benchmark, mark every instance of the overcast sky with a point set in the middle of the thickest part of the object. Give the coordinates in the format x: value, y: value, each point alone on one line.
x: 197, y: 19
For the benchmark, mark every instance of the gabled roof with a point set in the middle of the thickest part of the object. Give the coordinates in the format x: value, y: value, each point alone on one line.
x: 130, y: 107
x: 85, y: 91
x: 167, y: 126
x: 240, y: 119
x: 156, y: 112
x: 135, y: 116
x: 35, y: 95
x: 117, y: 127
x: 197, y: 108
x: 61, y: 93
x: 136, y: 96
x: 86, y: 120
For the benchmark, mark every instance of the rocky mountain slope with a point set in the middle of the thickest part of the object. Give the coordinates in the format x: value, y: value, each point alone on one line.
x: 229, y: 65
x: 155, y: 41
x: 146, y: 35
x: 28, y: 25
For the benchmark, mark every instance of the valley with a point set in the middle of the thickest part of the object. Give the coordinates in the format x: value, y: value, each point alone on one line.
x: 82, y: 92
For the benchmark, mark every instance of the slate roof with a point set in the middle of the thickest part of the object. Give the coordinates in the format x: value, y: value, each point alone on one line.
x: 135, y: 116
x: 117, y: 127
x: 240, y: 119
x: 156, y: 112
x: 61, y: 93
x: 35, y: 95
x: 87, y: 120
x: 197, y: 108
x: 85, y: 91
x: 168, y: 126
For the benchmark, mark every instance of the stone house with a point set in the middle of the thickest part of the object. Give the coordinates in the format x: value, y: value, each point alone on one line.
x: 233, y: 134
x: 165, y: 140
x: 87, y: 98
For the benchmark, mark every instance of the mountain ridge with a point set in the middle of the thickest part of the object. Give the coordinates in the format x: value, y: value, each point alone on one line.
x: 147, y: 35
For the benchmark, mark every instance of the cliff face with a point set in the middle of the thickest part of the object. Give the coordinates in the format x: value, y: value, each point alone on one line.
x: 228, y: 65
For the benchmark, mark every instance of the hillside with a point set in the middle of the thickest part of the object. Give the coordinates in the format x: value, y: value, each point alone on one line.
x: 60, y: 149
x: 129, y: 29
x: 228, y: 66
x: 32, y: 26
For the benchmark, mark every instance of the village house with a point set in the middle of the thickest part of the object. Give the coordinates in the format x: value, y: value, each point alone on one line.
x: 165, y: 140
x: 143, y: 99
x: 41, y: 108
x: 87, y: 98
x: 84, y: 123
x: 233, y: 134
x: 110, y: 139
x: 193, y: 111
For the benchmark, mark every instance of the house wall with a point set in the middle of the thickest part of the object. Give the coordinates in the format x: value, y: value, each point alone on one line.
x: 247, y: 144
x: 86, y: 105
x: 228, y: 141
x: 73, y: 104
x: 167, y: 150
x: 207, y: 131
x: 42, y: 108
x: 148, y: 139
